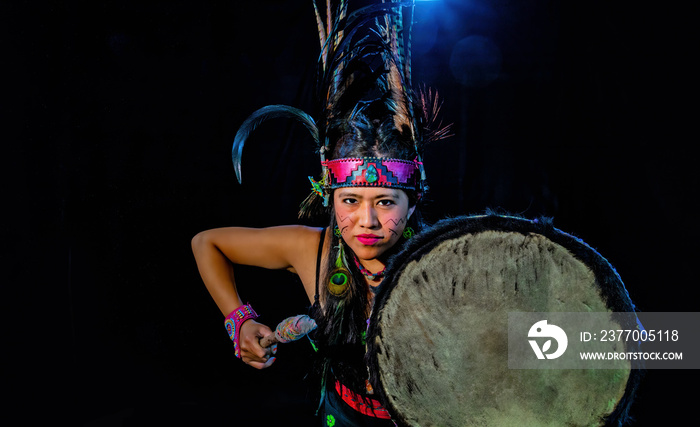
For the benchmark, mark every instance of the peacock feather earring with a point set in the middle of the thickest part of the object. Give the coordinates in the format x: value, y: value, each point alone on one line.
x: 339, y: 282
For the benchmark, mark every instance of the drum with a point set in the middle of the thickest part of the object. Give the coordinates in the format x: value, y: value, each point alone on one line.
x: 437, y: 340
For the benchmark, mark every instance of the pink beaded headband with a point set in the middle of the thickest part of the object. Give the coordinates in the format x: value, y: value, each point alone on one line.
x: 373, y: 172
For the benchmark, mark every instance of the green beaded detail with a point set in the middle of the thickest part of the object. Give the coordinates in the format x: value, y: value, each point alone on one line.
x: 317, y: 187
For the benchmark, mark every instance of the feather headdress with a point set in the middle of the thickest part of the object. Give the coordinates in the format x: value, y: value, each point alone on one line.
x: 363, y: 89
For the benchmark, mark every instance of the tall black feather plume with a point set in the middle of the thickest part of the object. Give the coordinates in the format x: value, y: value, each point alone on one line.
x: 383, y: 35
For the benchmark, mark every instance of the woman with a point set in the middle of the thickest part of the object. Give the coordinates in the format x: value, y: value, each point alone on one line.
x: 368, y: 223
x: 370, y: 142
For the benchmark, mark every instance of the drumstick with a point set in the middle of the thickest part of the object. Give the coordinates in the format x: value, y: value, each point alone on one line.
x: 290, y: 329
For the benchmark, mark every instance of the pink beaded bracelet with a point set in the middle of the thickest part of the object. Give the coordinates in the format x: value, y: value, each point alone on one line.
x: 233, y: 324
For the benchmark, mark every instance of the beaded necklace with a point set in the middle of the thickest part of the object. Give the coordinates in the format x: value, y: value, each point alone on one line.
x: 366, y: 273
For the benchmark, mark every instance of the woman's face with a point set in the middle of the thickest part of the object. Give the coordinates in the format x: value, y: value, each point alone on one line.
x: 371, y: 219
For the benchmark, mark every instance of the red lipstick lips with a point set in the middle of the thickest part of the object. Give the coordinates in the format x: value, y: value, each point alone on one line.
x: 368, y: 239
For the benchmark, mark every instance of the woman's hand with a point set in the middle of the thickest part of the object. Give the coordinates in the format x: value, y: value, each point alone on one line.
x: 249, y: 341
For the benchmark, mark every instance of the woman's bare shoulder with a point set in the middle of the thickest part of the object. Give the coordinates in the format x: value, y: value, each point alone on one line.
x: 270, y: 247
x: 276, y: 234
x: 296, y: 243
x: 300, y: 241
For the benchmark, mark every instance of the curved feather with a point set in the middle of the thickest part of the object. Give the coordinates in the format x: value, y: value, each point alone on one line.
x: 258, y: 117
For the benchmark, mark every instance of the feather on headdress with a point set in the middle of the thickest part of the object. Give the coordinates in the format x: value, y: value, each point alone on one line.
x: 364, y: 81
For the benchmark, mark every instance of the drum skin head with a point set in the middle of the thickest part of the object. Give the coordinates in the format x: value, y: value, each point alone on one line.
x: 438, y: 344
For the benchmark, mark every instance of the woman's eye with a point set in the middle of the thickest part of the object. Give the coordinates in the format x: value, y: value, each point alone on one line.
x: 385, y: 202
x: 349, y: 201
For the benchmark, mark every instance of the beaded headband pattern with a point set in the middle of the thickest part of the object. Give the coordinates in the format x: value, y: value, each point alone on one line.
x: 372, y: 172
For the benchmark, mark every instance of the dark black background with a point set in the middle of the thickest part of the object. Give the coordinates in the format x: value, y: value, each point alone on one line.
x: 118, y: 122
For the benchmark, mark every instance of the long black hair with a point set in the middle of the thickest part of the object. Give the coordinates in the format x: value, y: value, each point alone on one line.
x: 342, y: 320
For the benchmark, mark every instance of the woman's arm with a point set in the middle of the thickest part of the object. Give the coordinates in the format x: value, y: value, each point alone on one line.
x: 217, y: 250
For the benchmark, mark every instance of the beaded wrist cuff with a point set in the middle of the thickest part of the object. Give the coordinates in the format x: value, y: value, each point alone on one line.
x: 233, y: 324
